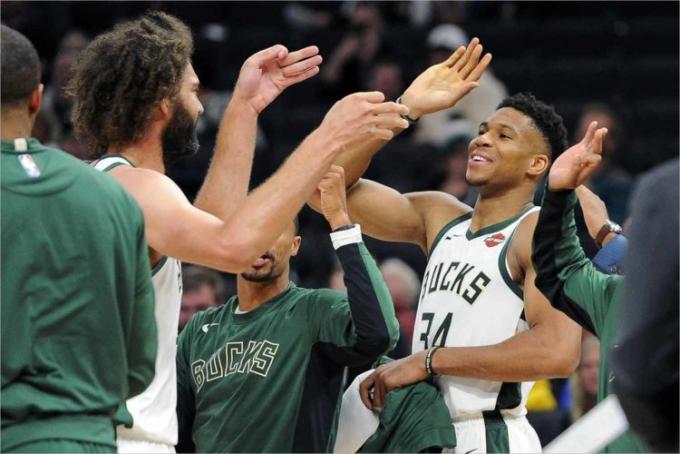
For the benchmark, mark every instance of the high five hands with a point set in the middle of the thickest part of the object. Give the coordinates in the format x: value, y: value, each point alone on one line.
x: 575, y: 165
x: 442, y: 85
x: 265, y: 74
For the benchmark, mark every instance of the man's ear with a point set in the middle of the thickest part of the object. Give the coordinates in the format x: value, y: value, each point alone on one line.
x: 295, y: 247
x: 35, y: 99
x: 539, y: 165
x: 164, y: 110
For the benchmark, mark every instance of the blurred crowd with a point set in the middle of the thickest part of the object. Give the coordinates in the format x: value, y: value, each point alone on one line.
x: 592, y: 69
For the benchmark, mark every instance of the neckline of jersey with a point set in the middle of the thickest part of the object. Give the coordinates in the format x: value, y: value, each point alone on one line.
x: 497, y: 226
x: 262, y: 309
x: 33, y: 146
x: 117, y: 155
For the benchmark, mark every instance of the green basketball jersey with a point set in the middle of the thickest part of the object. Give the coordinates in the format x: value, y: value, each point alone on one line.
x: 573, y: 285
x: 271, y: 380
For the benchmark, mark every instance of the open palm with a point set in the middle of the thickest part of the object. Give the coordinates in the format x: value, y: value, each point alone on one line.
x: 442, y: 85
x: 267, y: 73
x: 574, y: 166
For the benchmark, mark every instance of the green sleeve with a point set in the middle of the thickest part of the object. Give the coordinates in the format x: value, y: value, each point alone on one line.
x: 142, y: 342
x: 186, y: 406
x: 563, y: 272
x: 362, y: 324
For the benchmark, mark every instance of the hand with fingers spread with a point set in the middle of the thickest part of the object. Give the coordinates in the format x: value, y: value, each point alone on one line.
x: 396, y: 374
x: 333, y: 198
x: 575, y: 165
x: 266, y: 74
x: 441, y: 86
x: 361, y: 117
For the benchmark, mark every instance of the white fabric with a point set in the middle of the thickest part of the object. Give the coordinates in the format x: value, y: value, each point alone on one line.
x: 135, y: 446
x: 471, y: 436
x: 103, y: 163
x: 345, y: 237
x: 356, y: 422
x: 154, y: 410
x: 476, y: 310
x: 594, y: 430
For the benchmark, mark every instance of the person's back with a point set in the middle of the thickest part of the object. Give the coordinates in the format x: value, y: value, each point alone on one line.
x: 73, y: 252
x: 78, y: 334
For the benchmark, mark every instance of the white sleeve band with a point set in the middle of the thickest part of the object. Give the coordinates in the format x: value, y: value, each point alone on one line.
x: 345, y: 237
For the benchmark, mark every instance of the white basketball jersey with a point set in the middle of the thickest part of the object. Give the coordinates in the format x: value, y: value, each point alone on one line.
x: 154, y: 410
x: 468, y: 299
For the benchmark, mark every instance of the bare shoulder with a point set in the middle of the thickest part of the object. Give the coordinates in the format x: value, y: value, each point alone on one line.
x: 520, y: 248
x: 437, y: 209
x: 145, y: 183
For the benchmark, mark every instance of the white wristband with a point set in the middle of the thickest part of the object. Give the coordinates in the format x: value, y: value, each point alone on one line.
x: 345, y: 237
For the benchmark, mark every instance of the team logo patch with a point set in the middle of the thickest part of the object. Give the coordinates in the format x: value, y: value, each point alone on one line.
x: 494, y: 240
x: 29, y: 165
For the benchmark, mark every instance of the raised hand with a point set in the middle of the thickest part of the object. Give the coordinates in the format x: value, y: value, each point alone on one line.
x: 575, y: 165
x: 441, y: 86
x: 267, y: 73
x: 333, y: 197
x: 358, y: 118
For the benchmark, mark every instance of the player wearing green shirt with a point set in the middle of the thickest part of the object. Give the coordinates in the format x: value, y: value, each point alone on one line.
x: 564, y: 273
x: 78, y: 332
x: 265, y: 372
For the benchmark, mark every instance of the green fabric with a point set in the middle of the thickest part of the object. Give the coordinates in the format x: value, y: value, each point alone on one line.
x: 68, y: 429
x: 415, y: 419
x: 249, y: 370
x: 64, y: 446
x: 78, y: 327
x: 597, y: 294
x: 497, y: 439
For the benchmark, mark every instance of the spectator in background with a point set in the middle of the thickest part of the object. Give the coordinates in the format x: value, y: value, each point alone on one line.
x: 203, y: 288
x: 611, y: 182
x: 56, y: 98
x: 463, y: 118
x: 584, y: 383
x: 348, y: 63
x: 404, y: 286
x: 454, y: 166
x: 386, y: 76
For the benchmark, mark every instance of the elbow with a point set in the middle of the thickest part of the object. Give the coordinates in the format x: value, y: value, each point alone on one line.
x: 140, y: 379
x: 564, y: 363
x: 236, y: 256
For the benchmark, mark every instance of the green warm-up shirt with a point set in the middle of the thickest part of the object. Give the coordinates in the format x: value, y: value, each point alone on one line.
x: 78, y: 329
x: 271, y: 380
x: 572, y: 284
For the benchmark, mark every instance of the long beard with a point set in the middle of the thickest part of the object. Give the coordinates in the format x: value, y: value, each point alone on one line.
x: 180, y: 138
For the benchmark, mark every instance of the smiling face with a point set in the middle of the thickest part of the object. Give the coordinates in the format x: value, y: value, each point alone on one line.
x: 509, y: 151
x: 273, y: 263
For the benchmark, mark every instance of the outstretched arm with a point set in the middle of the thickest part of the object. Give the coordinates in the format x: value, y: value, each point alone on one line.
x: 439, y: 87
x: 363, y: 325
x: 176, y: 228
x: 262, y: 78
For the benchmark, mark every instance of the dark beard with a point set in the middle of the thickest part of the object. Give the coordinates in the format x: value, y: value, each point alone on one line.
x: 180, y: 138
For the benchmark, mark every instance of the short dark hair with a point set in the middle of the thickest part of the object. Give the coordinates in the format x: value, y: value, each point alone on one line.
x: 123, y: 75
x: 20, y: 66
x: 296, y: 222
x: 194, y: 277
x: 544, y: 116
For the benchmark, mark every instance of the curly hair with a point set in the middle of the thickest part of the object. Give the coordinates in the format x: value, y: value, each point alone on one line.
x: 544, y: 116
x: 123, y: 75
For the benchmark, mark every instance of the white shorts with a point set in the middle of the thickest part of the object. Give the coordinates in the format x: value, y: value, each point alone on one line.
x: 507, y: 434
x: 137, y: 446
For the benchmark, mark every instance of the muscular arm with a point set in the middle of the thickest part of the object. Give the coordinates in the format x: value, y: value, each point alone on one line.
x: 388, y: 215
x: 176, y: 228
x: 226, y: 183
